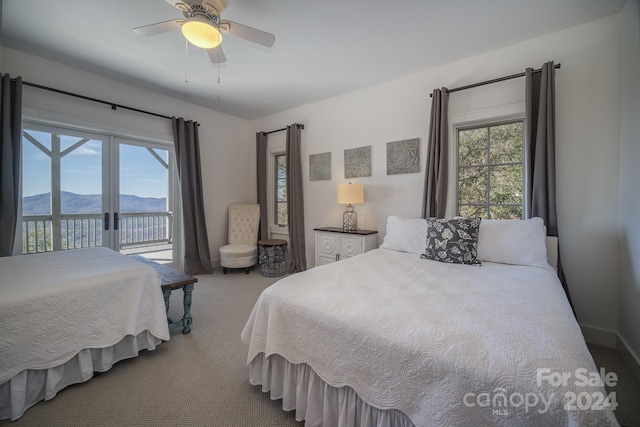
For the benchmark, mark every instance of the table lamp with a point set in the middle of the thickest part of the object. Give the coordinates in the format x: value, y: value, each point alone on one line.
x: 350, y: 194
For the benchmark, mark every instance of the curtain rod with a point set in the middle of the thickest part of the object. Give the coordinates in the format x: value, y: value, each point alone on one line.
x: 301, y: 126
x: 88, y: 98
x: 499, y: 79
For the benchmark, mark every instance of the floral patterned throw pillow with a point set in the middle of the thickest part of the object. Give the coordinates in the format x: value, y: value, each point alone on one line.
x: 453, y: 240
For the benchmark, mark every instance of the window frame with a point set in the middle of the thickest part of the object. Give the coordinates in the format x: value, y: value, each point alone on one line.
x: 464, y: 116
x: 45, y: 121
x: 488, y: 124
x: 275, y: 182
x: 276, y: 144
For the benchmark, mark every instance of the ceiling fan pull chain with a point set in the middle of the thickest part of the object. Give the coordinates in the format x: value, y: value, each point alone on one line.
x: 219, y: 41
x: 186, y: 61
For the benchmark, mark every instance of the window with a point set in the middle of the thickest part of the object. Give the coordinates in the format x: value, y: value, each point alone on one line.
x: 280, y: 186
x: 490, y: 170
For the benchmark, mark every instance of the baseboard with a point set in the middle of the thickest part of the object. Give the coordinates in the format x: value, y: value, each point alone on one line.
x: 628, y: 356
x: 613, y: 340
x: 599, y: 336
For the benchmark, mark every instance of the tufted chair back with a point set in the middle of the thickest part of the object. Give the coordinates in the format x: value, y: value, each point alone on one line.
x: 243, y: 224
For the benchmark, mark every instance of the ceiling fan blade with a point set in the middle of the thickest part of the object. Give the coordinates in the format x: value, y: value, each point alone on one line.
x: 216, y: 55
x: 247, y: 33
x: 159, y: 27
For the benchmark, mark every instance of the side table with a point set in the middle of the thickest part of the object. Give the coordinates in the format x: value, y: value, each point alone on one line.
x: 272, y: 257
x: 334, y: 244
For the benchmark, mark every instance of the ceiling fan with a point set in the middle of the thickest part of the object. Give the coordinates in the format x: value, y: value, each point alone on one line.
x: 202, y: 26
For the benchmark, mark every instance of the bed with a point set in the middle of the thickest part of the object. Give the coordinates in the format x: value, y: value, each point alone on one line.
x: 387, y: 338
x: 65, y: 315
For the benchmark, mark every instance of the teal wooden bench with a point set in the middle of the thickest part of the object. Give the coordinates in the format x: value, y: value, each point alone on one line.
x: 170, y: 280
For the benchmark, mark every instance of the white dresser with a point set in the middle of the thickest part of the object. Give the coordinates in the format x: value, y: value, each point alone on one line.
x: 333, y: 244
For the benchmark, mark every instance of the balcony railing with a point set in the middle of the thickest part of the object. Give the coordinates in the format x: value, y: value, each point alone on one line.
x: 40, y: 233
x: 148, y: 228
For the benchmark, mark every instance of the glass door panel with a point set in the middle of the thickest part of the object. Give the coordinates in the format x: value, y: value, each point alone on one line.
x: 145, y: 204
x: 37, y: 235
x: 81, y: 198
x: 63, y: 181
x: 36, y: 176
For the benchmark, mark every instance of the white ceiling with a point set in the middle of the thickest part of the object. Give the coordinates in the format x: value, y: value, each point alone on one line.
x: 323, y: 47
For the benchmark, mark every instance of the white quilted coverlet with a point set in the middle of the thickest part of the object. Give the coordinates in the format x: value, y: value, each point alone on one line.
x: 53, y: 305
x: 419, y: 335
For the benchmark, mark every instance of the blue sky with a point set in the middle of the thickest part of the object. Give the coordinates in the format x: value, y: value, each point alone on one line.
x: 81, y: 170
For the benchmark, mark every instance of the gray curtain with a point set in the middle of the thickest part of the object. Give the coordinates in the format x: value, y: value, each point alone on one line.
x: 541, y: 153
x: 10, y: 162
x: 197, y: 258
x: 261, y: 174
x: 434, y: 202
x: 295, y: 202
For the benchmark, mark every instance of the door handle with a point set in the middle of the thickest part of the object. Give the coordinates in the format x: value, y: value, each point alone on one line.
x: 106, y: 220
x: 115, y: 220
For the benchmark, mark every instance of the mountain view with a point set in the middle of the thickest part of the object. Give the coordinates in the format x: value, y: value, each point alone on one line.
x: 72, y: 203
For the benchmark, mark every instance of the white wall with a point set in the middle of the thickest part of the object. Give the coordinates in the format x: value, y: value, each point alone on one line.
x: 629, y: 262
x: 587, y: 103
x: 222, y: 137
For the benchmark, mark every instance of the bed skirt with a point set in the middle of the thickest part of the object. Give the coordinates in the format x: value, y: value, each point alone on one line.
x: 314, y: 401
x: 33, y: 385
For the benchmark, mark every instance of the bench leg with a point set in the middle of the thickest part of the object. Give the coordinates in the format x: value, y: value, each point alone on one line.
x: 186, y: 319
x: 166, y: 293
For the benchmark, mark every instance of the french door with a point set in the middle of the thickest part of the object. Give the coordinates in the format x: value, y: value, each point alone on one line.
x: 143, y: 198
x: 83, y: 189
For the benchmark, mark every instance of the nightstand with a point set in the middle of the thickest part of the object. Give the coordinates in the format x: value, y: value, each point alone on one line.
x: 334, y: 244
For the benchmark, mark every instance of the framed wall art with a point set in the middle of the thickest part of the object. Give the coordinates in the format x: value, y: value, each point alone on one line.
x: 403, y: 156
x: 357, y: 162
x: 320, y: 166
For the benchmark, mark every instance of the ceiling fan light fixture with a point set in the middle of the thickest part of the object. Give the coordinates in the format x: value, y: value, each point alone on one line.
x: 201, y: 33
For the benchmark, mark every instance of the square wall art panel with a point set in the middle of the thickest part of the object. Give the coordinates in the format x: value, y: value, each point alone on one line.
x: 403, y: 156
x: 319, y: 167
x: 357, y: 162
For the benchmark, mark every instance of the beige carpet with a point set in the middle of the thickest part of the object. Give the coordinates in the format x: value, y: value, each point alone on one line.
x: 627, y: 391
x: 200, y: 379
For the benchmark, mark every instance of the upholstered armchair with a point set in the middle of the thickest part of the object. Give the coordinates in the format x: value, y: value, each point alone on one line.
x: 242, y: 248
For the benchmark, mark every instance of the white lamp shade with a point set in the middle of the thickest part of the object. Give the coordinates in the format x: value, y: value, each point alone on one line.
x: 350, y: 194
x: 201, y: 32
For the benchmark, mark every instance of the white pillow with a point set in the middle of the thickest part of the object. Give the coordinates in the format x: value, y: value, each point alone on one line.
x: 513, y: 241
x: 405, y: 235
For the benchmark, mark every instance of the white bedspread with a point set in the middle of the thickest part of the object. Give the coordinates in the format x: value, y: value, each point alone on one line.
x: 53, y: 305
x: 433, y: 340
